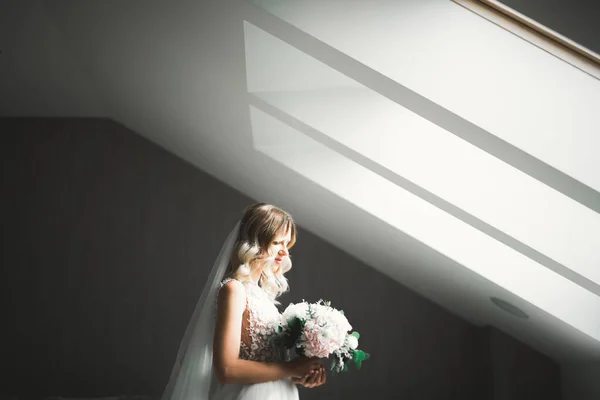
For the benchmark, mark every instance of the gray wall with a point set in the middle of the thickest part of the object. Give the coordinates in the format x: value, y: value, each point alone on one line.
x: 575, y: 19
x: 107, y: 240
x: 520, y: 373
x: 581, y: 381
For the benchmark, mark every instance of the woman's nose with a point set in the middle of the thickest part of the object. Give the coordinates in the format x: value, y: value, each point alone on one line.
x: 283, y: 252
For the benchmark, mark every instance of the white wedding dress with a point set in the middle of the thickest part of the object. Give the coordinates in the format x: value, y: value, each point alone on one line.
x: 257, y: 327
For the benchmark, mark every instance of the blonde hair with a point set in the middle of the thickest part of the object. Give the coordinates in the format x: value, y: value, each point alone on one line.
x: 259, y: 226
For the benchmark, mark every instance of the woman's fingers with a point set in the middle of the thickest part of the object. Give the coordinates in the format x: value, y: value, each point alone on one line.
x: 301, y: 380
x: 323, y: 377
x: 312, y: 381
x: 316, y: 378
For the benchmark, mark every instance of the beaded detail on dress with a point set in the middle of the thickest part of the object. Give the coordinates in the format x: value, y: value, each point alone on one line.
x: 258, y: 325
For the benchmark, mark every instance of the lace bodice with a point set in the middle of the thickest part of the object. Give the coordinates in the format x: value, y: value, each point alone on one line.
x: 258, y: 324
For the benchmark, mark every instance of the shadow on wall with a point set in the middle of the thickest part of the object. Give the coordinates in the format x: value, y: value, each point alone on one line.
x: 111, y: 239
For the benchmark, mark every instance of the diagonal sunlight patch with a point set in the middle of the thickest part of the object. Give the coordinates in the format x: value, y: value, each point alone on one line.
x: 476, y: 80
x: 564, y: 233
x: 428, y: 224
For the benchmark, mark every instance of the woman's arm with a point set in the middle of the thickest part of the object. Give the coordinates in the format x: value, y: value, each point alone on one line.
x: 229, y: 368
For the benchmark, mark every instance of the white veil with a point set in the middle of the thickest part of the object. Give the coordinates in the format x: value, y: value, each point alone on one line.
x: 192, y: 376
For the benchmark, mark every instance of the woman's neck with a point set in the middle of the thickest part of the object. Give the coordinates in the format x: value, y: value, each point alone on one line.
x: 255, y: 276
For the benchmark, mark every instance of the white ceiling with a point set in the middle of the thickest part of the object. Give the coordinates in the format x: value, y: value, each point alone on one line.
x: 423, y: 140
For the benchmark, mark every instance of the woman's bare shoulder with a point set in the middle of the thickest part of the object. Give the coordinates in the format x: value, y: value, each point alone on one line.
x: 232, y: 290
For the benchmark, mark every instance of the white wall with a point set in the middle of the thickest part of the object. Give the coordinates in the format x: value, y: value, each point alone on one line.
x: 469, y: 66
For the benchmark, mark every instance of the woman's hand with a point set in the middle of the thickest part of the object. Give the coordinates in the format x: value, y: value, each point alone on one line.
x: 312, y: 379
x: 302, y: 366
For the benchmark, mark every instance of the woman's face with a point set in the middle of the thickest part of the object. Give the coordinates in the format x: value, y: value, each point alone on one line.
x: 278, y: 249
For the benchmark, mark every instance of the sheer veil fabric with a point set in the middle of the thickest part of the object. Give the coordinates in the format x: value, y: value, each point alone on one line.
x: 192, y: 375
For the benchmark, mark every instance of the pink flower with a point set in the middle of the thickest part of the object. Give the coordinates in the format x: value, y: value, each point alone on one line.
x: 318, y: 342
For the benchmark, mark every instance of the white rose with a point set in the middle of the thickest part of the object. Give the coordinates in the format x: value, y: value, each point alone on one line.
x: 296, y: 311
x: 352, y: 342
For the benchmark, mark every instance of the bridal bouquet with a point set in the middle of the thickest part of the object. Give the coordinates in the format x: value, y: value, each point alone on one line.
x: 319, y: 330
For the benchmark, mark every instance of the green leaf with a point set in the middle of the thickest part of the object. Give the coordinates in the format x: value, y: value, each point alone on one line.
x: 293, y: 333
x: 359, y: 355
x: 356, y: 335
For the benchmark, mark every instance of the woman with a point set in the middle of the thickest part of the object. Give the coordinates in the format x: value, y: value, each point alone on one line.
x: 230, y: 341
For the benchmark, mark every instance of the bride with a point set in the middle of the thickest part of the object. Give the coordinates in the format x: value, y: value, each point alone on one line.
x: 226, y: 353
